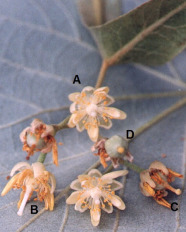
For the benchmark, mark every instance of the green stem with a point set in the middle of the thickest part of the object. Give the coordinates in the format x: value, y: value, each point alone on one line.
x: 62, y: 125
x: 133, y: 166
x: 42, y: 157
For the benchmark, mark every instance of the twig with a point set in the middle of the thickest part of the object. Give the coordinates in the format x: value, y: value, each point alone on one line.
x: 101, y: 75
x: 62, y: 125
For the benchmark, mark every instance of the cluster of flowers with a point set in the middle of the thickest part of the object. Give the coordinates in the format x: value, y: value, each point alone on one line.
x: 93, y: 191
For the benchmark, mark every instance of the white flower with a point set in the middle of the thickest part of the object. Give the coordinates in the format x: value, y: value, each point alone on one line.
x: 96, y: 192
x: 89, y: 111
x: 30, y: 179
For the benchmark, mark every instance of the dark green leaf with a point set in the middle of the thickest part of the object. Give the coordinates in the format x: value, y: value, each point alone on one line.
x: 151, y: 34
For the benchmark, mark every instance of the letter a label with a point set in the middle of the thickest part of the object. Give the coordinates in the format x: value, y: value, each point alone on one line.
x: 76, y: 79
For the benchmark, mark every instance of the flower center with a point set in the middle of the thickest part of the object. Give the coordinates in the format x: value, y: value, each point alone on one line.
x: 92, y: 110
x: 95, y: 193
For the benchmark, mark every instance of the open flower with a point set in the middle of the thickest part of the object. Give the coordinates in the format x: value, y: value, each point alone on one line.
x: 96, y: 192
x: 30, y: 179
x: 155, y: 181
x: 39, y: 137
x: 89, y: 111
x: 114, y: 149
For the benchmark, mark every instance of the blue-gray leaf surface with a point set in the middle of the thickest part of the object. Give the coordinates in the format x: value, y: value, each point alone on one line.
x: 43, y: 45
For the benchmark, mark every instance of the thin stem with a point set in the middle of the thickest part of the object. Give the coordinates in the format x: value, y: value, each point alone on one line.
x: 109, y: 169
x: 101, y: 75
x: 151, y: 95
x: 62, y: 125
x: 42, y: 157
x: 160, y: 116
x: 133, y: 166
x: 97, y: 11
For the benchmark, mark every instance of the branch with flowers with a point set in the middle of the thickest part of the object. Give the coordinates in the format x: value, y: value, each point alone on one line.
x: 90, y: 110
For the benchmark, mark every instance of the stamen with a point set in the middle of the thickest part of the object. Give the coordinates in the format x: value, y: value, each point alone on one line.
x: 159, y: 180
x: 163, y: 202
x: 176, y: 174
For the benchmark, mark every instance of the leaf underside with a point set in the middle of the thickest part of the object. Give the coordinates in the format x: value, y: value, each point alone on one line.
x: 158, y: 46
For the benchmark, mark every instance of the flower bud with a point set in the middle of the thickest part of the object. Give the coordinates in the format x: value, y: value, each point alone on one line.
x: 114, y: 149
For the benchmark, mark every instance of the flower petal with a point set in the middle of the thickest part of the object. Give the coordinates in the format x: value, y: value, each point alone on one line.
x: 21, y: 198
x: 10, y: 184
x: 117, y: 202
x: 52, y: 181
x: 145, y: 178
x: 49, y: 131
x: 158, y: 165
x: 73, y: 107
x: 102, y: 99
x: 113, y: 113
x: 76, y: 185
x: 83, y: 177
x: 71, y: 121
x: 95, y: 217
x: 73, y: 198
x: 116, y: 185
x: 19, y: 167
x: 107, y: 207
x: 73, y: 96
x: 113, y: 175
x: 79, y: 116
x: 35, y: 124
x: 79, y: 206
x: 51, y: 203
x: 102, y: 89
x: 93, y: 132
x: 88, y: 89
x: 104, y: 122
x: 95, y: 172
x: 38, y: 169
x: 81, y: 124
x: 143, y: 190
x: 23, y: 134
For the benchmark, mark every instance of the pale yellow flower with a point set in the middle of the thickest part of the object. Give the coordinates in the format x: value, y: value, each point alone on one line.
x: 155, y: 181
x: 89, y: 111
x: 30, y: 179
x: 95, y: 192
x: 39, y: 137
